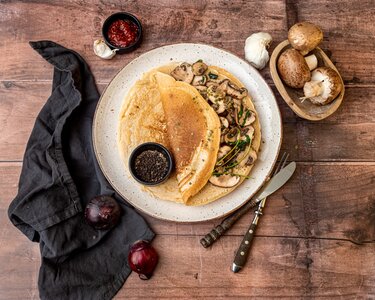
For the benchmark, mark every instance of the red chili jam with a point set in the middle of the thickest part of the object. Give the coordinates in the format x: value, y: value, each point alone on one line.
x: 122, y: 33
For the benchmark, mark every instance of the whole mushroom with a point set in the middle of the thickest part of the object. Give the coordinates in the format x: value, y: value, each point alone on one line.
x: 324, y: 86
x: 305, y: 36
x: 294, y: 69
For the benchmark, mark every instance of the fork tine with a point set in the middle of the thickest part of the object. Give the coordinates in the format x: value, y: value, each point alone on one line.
x: 285, y: 160
x: 281, y: 163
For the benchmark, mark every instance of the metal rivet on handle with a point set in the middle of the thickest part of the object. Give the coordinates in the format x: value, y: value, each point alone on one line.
x: 251, y: 231
x: 242, y: 253
x: 246, y: 242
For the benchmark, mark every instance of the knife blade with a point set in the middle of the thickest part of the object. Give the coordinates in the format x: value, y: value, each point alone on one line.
x: 276, y: 182
x: 273, y: 185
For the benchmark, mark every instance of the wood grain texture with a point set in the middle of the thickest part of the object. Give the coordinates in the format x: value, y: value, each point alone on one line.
x: 330, y: 140
x: 322, y: 200
x: 76, y: 24
x: 292, y: 97
x: 317, y: 237
x: 348, y: 29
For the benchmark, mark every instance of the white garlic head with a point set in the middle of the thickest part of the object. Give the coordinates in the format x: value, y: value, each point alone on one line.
x: 256, y: 46
x: 102, y: 50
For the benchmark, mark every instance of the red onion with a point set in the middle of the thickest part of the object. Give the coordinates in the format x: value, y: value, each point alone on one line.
x: 102, y: 212
x: 143, y: 259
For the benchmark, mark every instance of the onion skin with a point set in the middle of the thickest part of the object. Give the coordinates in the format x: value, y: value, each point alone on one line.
x: 102, y: 212
x: 143, y: 259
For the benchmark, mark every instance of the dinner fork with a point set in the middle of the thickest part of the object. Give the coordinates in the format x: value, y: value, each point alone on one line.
x: 227, y: 223
x: 246, y: 243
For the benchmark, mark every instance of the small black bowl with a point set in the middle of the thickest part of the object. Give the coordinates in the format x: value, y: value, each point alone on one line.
x: 150, y: 146
x: 122, y: 16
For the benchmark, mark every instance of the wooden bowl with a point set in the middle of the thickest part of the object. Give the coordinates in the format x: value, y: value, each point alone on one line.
x: 291, y: 96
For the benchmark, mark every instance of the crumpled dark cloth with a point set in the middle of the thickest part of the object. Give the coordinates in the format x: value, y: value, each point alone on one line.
x: 59, y: 176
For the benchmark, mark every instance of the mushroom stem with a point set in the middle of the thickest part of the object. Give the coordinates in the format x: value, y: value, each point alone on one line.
x: 313, y: 89
x: 311, y: 61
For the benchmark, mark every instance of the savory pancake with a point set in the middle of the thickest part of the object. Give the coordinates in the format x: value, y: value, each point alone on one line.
x: 144, y: 118
x: 193, y: 130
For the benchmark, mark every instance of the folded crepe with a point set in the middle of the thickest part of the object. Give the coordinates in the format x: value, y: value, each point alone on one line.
x: 144, y: 118
x: 193, y: 132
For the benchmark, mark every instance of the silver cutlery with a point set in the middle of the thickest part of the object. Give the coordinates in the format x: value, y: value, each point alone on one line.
x: 227, y: 223
x: 282, y: 175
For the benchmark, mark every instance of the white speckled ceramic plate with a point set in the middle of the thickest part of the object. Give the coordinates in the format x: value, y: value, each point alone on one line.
x: 106, y: 123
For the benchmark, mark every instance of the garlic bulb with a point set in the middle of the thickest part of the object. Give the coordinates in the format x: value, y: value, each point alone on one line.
x: 256, y: 49
x: 102, y: 50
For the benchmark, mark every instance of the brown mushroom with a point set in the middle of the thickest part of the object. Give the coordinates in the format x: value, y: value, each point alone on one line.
x: 293, y: 68
x: 199, y: 67
x: 235, y: 91
x: 305, y: 36
x: 183, y: 72
x: 324, y: 86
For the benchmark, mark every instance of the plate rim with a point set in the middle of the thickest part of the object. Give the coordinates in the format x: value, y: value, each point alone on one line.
x: 159, y: 217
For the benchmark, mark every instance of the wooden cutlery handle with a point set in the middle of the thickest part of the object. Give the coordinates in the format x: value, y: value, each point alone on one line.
x: 213, y: 235
x: 227, y: 223
x: 244, y: 249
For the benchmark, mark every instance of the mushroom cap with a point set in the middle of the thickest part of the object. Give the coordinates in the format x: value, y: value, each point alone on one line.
x: 305, y: 36
x: 293, y: 68
x: 224, y: 180
x: 331, y: 85
x: 183, y: 72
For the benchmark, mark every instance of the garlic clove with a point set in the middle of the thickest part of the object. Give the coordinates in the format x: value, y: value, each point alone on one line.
x: 103, y: 51
x: 256, y: 49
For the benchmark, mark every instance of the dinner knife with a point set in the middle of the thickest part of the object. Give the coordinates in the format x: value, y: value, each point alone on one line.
x: 273, y: 185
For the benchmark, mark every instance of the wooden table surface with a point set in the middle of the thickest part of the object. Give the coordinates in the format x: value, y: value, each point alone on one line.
x: 317, y: 238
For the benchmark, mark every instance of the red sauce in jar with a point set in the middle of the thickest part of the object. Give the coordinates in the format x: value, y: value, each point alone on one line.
x: 122, y: 33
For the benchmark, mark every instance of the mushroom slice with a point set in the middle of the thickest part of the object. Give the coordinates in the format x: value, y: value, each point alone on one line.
x: 199, y: 80
x: 247, y: 118
x: 199, y: 67
x: 237, y: 103
x: 222, y: 136
x: 225, y: 180
x: 215, y: 94
x: 224, y: 122
x: 223, y: 86
x: 230, y: 118
x: 293, y: 68
x: 324, y: 86
x: 183, y: 72
x: 252, y: 158
x: 201, y: 88
x: 235, y: 91
x: 248, y: 130
x: 224, y: 150
x: 232, y: 135
x: 211, y: 83
x: 219, y: 107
